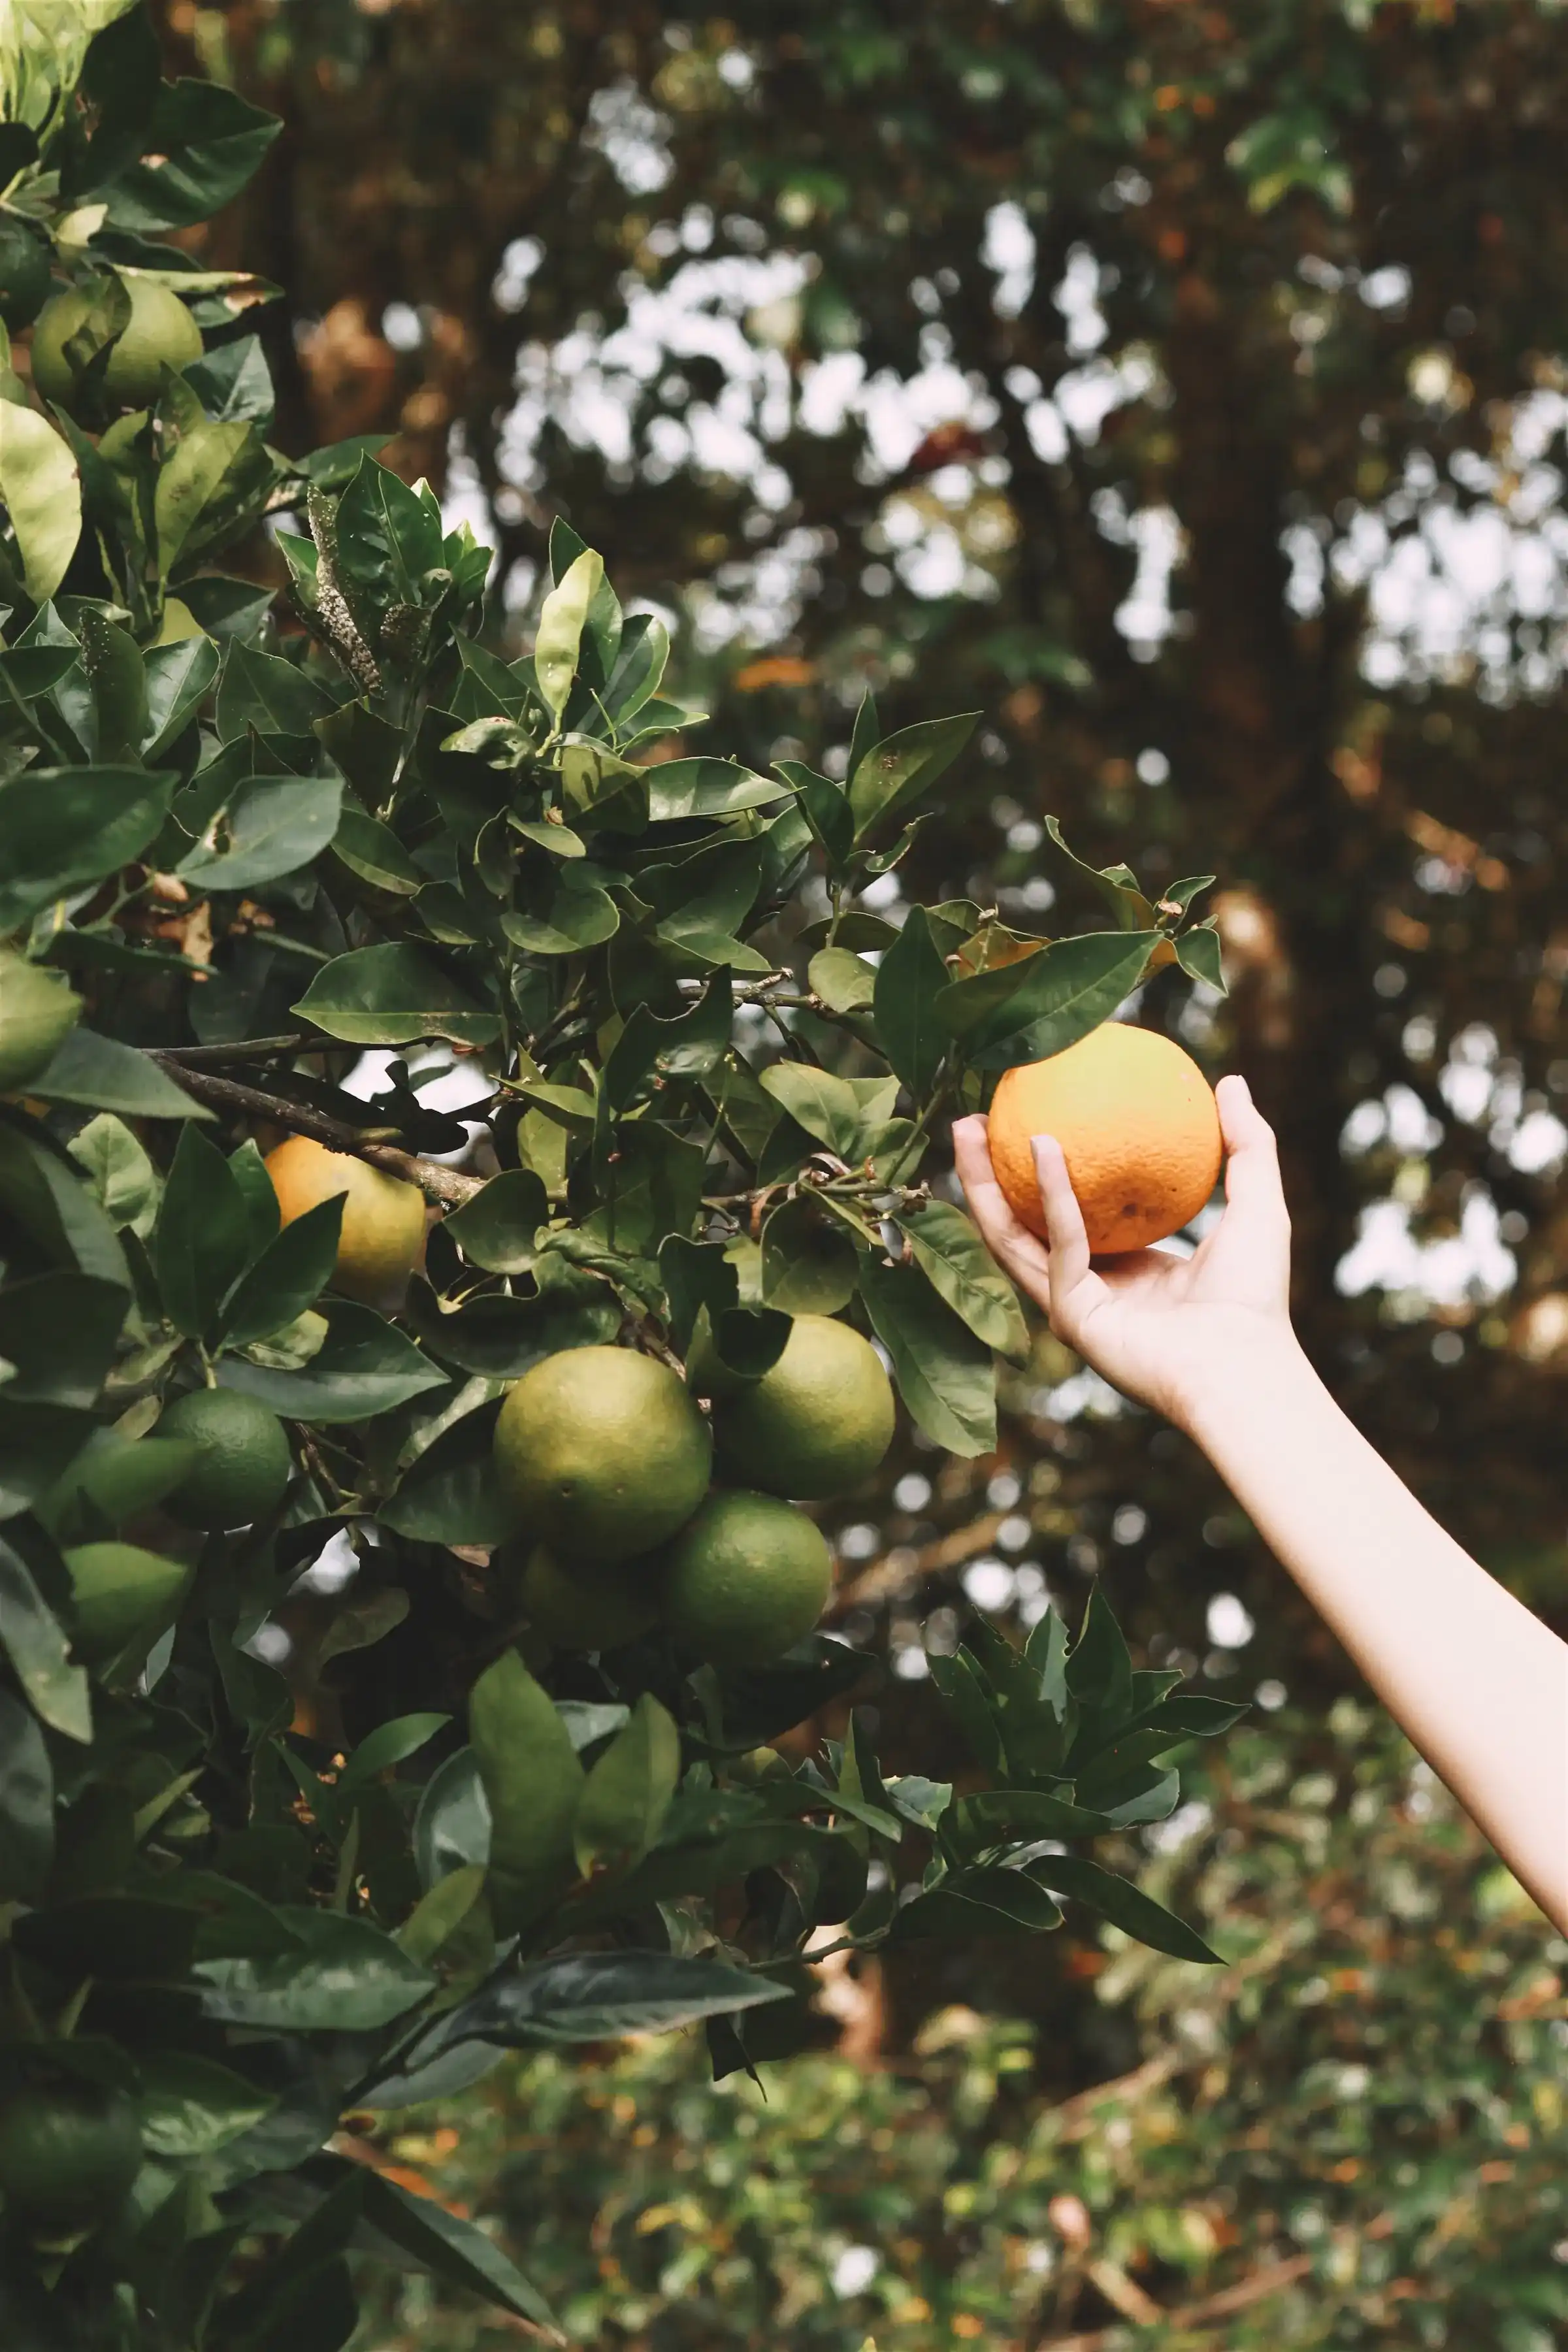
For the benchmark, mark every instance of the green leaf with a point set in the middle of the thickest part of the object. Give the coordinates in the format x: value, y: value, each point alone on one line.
x: 178, y: 678
x: 188, y: 2106
x: 1124, y: 1905
x: 825, y: 1106
x: 365, y: 1366
x: 452, y: 1825
x: 388, y: 538
x: 62, y: 828
x: 1198, y: 953
x: 1025, y: 1010
x: 844, y: 981
x: 203, y: 1243
x: 34, y: 1643
x: 561, y: 620
x: 454, y: 2249
x: 205, y: 142
x: 341, y: 1975
x: 639, y: 666
x: 985, y: 1900
x: 27, y: 1802
x: 112, y: 664
x: 109, y: 1076
x: 292, y: 1271
x: 962, y: 1270
x: 263, y: 691
x: 450, y: 1494
x: 388, y: 1744
x: 373, y: 851
x: 235, y: 381
x: 393, y: 994
x: 581, y: 914
x: 496, y: 1229
x: 441, y: 1911
x: 191, y: 480
x: 910, y: 980
x: 809, y: 1263
x: 1117, y: 884
x: 534, y: 1783
x: 892, y: 775
x: 944, y: 1372
x: 42, y: 1189
x: 57, y: 1334
x: 269, y: 826
x: 679, y: 789
x: 629, y: 1792
x: 958, y: 1680
x: 827, y: 812
x: 40, y: 489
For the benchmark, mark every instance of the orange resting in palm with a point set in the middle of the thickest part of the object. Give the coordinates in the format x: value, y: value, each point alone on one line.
x: 1136, y: 1121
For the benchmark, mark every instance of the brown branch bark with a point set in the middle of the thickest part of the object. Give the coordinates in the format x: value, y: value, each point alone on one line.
x: 448, y: 1185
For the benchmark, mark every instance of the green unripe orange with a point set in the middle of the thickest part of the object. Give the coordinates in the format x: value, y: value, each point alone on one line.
x: 243, y: 1464
x: 600, y: 1609
x: 819, y: 1422
x: 748, y: 1577
x: 160, y: 333
x: 601, y: 1452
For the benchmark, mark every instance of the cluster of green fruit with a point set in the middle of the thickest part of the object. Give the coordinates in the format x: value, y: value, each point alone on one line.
x: 635, y: 1511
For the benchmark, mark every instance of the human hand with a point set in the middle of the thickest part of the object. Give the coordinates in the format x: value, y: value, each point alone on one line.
x: 1166, y: 1329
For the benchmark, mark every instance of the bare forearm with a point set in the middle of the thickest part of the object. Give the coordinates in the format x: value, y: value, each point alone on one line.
x: 1477, y: 1683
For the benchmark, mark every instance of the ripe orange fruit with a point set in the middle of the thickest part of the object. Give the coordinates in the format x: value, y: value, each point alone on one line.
x: 1136, y: 1119
x: 384, y: 1218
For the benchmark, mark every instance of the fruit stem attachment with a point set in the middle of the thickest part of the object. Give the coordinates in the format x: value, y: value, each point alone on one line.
x: 448, y: 1185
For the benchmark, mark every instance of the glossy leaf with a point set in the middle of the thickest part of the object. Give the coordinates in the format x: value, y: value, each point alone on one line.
x: 203, y: 1243
x: 289, y: 1276
x: 61, y: 827
x: 561, y: 620
x: 1036, y: 1006
x: 393, y: 994
x: 27, y: 1800
x: 629, y: 1792
x: 33, y: 1640
x: 910, y: 980
x: 344, y: 1976
x: 40, y: 490
x: 889, y: 776
x: 962, y: 1269
x: 269, y: 826
x: 944, y: 1372
x: 109, y: 1076
x: 364, y: 1366
x: 1124, y: 1905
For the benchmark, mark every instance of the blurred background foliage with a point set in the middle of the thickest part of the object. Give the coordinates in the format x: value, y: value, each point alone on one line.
x: 1188, y: 386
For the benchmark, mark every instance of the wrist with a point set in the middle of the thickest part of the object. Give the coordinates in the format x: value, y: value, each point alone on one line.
x: 1265, y: 1370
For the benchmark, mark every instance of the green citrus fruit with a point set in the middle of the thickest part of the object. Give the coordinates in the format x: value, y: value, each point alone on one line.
x: 160, y: 333
x: 244, y: 1466
x: 38, y: 1012
x: 24, y: 272
x: 747, y: 1578
x: 817, y: 1424
x: 123, y: 1594
x: 602, y: 1453
x: 382, y: 1230
x: 69, y: 2151
x: 602, y: 1609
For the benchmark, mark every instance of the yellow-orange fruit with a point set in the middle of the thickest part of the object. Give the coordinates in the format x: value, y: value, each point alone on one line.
x: 1136, y: 1121
x: 384, y: 1218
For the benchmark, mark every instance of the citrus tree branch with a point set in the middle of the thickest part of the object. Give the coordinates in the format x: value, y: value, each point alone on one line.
x: 448, y: 1185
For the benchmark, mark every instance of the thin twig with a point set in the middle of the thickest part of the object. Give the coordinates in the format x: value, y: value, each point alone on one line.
x: 251, y: 1049
x: 448, y: 1185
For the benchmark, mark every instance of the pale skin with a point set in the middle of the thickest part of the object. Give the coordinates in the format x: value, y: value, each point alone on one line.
x: 1479, y: 1684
